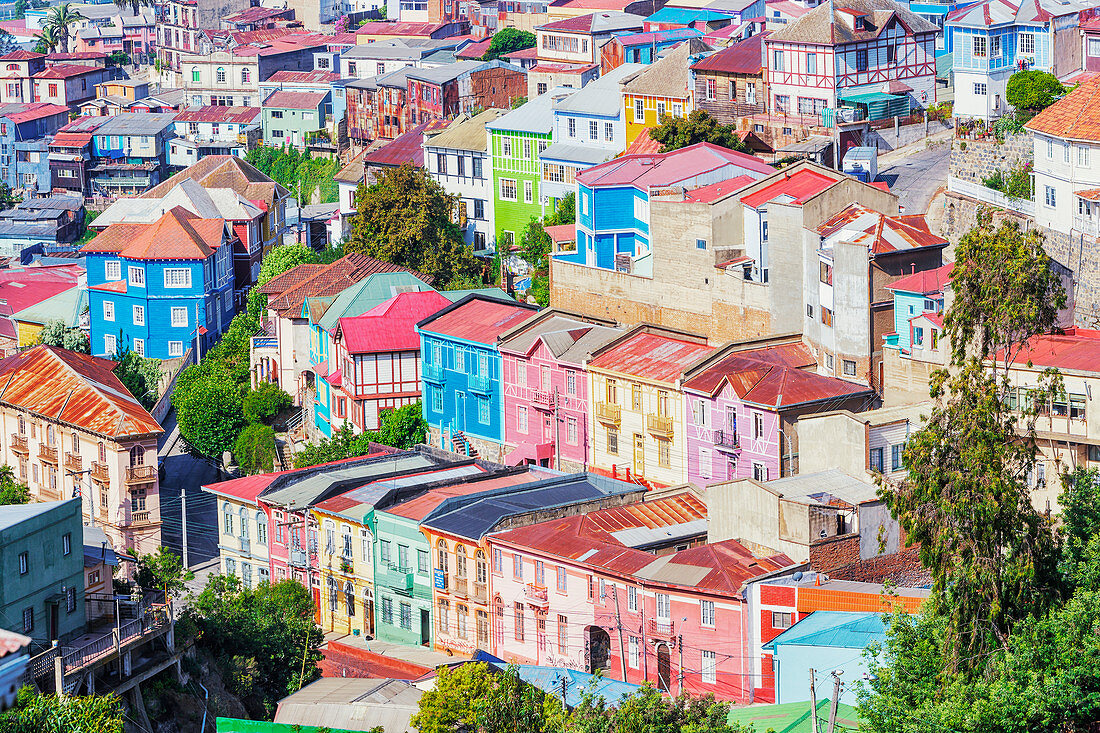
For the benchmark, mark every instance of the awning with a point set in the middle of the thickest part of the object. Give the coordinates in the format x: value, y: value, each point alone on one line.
x: 878, y: 104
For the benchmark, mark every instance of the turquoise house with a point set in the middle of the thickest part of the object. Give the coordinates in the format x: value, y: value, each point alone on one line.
x: 915, y: 295
x: 42, y: 566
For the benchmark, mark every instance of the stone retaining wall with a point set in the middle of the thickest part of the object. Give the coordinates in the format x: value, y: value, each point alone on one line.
x: 982, y: 158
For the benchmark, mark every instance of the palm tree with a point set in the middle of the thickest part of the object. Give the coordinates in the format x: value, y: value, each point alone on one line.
x: 135, y: 5
x: 47, y: 40
x: 59, y: 19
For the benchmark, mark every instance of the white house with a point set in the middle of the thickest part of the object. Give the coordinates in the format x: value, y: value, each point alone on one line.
x: 203, y: 131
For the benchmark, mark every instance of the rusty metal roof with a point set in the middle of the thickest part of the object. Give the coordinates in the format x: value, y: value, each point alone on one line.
x: 477, y: 318
x: 651, y: 356
x: 75, y: 389
x: 881, y: 234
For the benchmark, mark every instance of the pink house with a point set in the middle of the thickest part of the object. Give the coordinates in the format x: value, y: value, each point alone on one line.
x: 544, y: 377
x: 742, y: 407
x: 631, y: 591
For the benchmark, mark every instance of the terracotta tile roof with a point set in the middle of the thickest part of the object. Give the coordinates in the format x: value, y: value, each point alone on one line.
x: 224, y: 171
x: 331, y: 280
x: 292, y: 278
x: 75, y: 389
x: 650, y: 355
x: 1076, y: 116
x: 744, y: 57
x: 391, y: 326
x: 177, y: 235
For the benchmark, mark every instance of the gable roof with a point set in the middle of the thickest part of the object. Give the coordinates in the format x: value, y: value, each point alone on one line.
x: 1075, y: 117
x: 819, y: 27
x: 224, y: 171
x: 793, y: 188
x: 569, y: 339
x: 477, y: 318
x: 284, y: 99
x: 466, y: 133
x: 881, y: 234
x: 989, y: 13
x: 743, y: 57
x: 324, y: 280
x: 407, y: 148
x: 391, y: 326
x: 595, y: 23
x: 76, y: 389
x: 670, y: 76
x: 925, y: 282
x: 650, y: 354
x: 176, y: 235
x: 676, y: 167
x: 600, y: 96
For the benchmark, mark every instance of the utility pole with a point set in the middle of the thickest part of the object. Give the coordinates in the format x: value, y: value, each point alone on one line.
x: 835, y: 700
x: 618, y: 625
x: 680, y: 675
x: 645, y: 645
x: 813, y: 700
x: 183, y: 522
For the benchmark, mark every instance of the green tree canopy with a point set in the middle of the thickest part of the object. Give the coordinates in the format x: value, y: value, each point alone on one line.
x: 11, y: 490
x: 208, y: 412
x: 255, y: 450
x: 310, y: 179
x: 535, y: 246
x: 51, y: 714
x: 141, y: 376
x: 59, y: 19
x: 1033, y: 90
x: 285, y: 257
x: 698, y: 127
x: 406, y: 218
x: 508, y: 40
x: 401, y: 428
x: 57, y: 333
x: 164, y: 571
x: 262, y: 404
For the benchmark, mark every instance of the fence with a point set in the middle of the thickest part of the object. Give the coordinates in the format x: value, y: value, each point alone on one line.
x: 989, y: 196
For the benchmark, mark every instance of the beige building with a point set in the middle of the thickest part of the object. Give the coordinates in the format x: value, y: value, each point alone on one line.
x: 70, y: 428
x: 861, y: 444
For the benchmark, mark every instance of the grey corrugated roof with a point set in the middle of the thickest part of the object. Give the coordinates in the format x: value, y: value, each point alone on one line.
x: 466, y: 133
x: 832, y: 482
x: 57, y: 201
x: 137, y: 123
x: 397, y: 49
x: 305, y: 490
x: 589, y: 154
x: 644, y: 536
x: 398, y: 78
x: 601, y: 96
x: 448, y: 72
x: 349, y: 703
x: 535, y: 116
x: 568, y: 339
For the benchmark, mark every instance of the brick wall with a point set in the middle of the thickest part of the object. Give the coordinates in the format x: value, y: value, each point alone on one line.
x: 834, y: 552
x: 902, y: 568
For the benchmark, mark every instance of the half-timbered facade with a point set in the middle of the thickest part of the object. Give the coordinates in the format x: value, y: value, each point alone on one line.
x: 872, y: 55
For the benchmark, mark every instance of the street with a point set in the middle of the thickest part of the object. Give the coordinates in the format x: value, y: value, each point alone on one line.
x: 181, y: 470
x: 916, y: 177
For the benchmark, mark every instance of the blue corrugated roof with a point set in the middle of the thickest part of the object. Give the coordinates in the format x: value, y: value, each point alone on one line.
x: 834, y: 629
x: 686, y: 15
x: 549, y: 680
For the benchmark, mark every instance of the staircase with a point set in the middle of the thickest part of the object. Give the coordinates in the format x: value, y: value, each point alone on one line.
x: 463, y: 445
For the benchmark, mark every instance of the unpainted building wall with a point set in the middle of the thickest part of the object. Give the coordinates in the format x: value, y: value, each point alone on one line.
x: 494, y: 88
x: 1066, y: 54
x: 209, y: 13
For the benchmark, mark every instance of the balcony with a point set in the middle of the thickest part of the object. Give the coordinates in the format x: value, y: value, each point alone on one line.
x: 141, y: 474
x: 400, y: 579
x: 658, y: 628
x: 432, y: 373
x: 102, y: 513
x: 141, y: 516
x: 1086, y: 224
x: 660, y: 425
x: 607, y: 412
x: 461, y: 587
x: 73, y: 463
x: 542, y: 400
x: 480, y: 594
x: 19, y: 443
x: 265, y: 342
x: 47, y: 453
x: 245, y: 545
x: 478, y: 383
x: 45, y: 494
x: 298, y: 558
x: 536, y: 595
x: 726, y: 440
x: 100, y: 472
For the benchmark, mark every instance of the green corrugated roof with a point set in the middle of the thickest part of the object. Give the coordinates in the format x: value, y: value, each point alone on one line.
x: 65, y: 306
x: 236, y: 725
x: 365, y: 294
x: 834, y: 629
x: 791, y: 717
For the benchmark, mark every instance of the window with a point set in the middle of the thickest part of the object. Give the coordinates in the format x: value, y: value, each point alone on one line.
x: 1048, y: 197
x: 563, y: 634
x: 108, y: 310
x: 443, y: 622
x: 811, y: 63
x: 177, y: 277
x: 995, y: 47
x: 384, y: 551
x: 712, y: 89
x: 700, y: 244
x: 757, y: 425
x: 980, y: 47
x: 706, y: 613
x: 1082, y: 155
x: 608, y: 132
x: 895, y: 456
x: 570, y: 383
x: 861, y: 60
x: 526, y: 149
x: 519, y: 621
x: 1027, y: 43
x: 109, y: 345
x: 562, y: 579
x: 979, y: 89
x: 632, y: 652
x: 261, y: 528
x: 175, y: 348
x: 195, y: 74
x: 246, y: 76
x: 220, y: 74
x: 139, y: 315
x: 498, y: 561
x: 810, y: 105
x: 508, y: 189
x: 777, y: 61
x: 593, y: 130
x: 782, y: 619
x: 710, y: 667
x: 664, y: 453
x: 613, y: 441
x: 387, y: 610
x: 528, y: 192
x: 139, y: 346
x: 1094, y: 47
x: 406, y: 616
x: 826, y: 316
x: 639, y: 111
x: 24, y: 564
x: 441, y: 163
x: 783, y: 103
x: 571, y: 430
x: 877, y: 459
x: 28, y: 620
x: 521, y: 419
x: 631, y: 598
x: 517, y: 566
x: 112, y: 270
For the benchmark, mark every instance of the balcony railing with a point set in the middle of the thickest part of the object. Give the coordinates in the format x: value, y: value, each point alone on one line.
x: 1086, y: 224
x: 47, y: 453
x: 100, y: 472
x: 433, y: 373
x: 19, y: 443
x: 480, y: 594
x: 536, y: 595
x: 265, y: 342
x: 478, y: 383
x: 73, y: 463
x: 141, y: 474
x: 543, y: 400
x: 400, y: 578
x: 245, y: 543
x: 460, y: 588
x: 659, y: 424
x: 609, y: 413
x: 142, y: 516
x: 660, y: 628
x: 726, y: 439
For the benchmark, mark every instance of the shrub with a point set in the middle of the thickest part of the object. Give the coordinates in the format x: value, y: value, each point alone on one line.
x: 1033, y: 90
x: 263, y: 403
x: 255, y: 450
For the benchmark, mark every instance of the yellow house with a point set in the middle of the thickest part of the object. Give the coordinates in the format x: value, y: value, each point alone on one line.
x: 346, y: 565
x: 637, y: 405
x: 68, y: 306
x: 664, y: 88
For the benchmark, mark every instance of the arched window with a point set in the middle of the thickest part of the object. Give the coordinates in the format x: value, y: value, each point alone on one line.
x: 330, y: 536
x: 442, y: 550
x: 498, y: 623
x: 227, y: 519
x: 246, y: 76
x: 76, y: 444
x: 332, y: 593
x: 195, y: 75
x: 349, y: 598
x: 51, y: 435
x: 460, y: 562
x: 13, y: 67
x: 221, y: 75
x: 482, y: 569
x: 261, y: 528
x: 137, y: 456
x: 243, y: 517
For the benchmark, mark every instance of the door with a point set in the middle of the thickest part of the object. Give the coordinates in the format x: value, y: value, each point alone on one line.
x: 639, y: 455
x: 425, y: 627
x: 598, y: 649
x: 460, y: 411
x: 547, y: 428
x: 54, y: 626
x: 664, y: 667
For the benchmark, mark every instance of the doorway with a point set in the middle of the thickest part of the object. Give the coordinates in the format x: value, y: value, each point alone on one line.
x: 639, y: 455
x: 460, y: 411
x: 55, y: 630
x: 597, y: 648
x: 664, y: 667
x: 425, y: 627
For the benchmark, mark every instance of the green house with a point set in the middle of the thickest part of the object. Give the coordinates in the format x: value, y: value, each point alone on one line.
x: 516, y: 140
x: 402, y: 578
x: 42, y: 566
x: 289, y: 118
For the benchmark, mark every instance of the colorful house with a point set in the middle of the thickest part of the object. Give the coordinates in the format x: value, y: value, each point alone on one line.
x: 243, y: 528
x: 158, y: 288
x: 641, y: 48
x: 461, y: 368
x: 291, y: 118
x: 637, y: 404
x: 730, y: 83
x: 914, y: 295
x: 547, y: 419
x: 742, y: 408
x: 516, y: 141
x: 663, y: 88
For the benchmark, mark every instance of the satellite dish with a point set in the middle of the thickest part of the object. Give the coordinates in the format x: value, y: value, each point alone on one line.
x: 797, y: 576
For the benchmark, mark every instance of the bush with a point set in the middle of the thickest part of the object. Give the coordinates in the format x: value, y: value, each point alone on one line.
x: 255, y: 450
x: 262, y: 404
x: 57, y: 333
x: 1015, y: 184
x: 1033, y: 90
x: 209, y: 414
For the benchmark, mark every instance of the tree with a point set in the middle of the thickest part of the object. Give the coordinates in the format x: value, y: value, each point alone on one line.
x: 139, y: 375
x: 343, y: 444
x: 698, y: 127
x: 262, y: 404
x: 402, y: 428
x: 46, y: 40
x: 451, y: 700
x: 118, y: 58
x: 20, y: 9
x: 7, y: 41
x: 61, y: 335
x: 310, y: 179
x: 11, y: 491
x: 508, y: 40
x: 209, y: 414
x: 164, y: 571
x: 406, y: 218
x: 535, y: 247
x: 283, y: 258
x: 992, y: 557
x: 255, y: 450
x: 59, y: 19
x: 262, y: 638
x: 52, y: 714
x: 1033, y: 90
x: 135, y: 5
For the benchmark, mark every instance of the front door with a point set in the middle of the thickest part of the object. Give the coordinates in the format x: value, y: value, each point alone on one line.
x: 547, y: 429
x: 639, y: 455
x: 460, y: 411
x: 664, y: 668
x: 55, y: 630
x: 425, y: 627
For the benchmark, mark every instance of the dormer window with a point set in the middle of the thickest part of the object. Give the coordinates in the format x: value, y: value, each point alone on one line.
x: 860, y: 23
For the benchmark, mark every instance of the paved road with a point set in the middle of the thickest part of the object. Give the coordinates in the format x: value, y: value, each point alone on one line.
x: 916, y: 177
x: 181, y: 470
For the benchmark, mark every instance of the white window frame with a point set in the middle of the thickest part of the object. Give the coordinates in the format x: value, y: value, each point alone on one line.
x: 139, y: 315
x: 175, y: 348
x: 177, y: 277
x: 109, y: 310
x: 179, y: 322
x: 136, y: 276
x: 110, y: 345
x: 112, y: 270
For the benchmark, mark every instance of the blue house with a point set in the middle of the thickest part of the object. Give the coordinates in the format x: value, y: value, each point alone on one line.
x: 643, y: 48
x: 936, y: 13
x: 461, y: 373
x: 824, y: 641
x: 23, y: 123
x: 160, y: 288
x: 916, y: 296
x: 130, y: 153
x: 613, y: 200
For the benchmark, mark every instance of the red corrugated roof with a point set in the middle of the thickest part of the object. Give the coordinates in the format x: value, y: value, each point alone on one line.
x: 22, y: 287
x: 21, y: 55
x: 36, y: 111
x: 65, y: 71
x: 294, y: 100
x: 745, y: 57
x: 287, y: 292
x: 715, y: 191
x: 925, y: 282
x: 1077, y: 349
x: 651, y: 356
x: 396, y: 28
x: 523, y: 53
x: 666, y: 169
x: 474, y: 50
x: 390, y: 326
x: 212, y: 113
x: 881, y: 234
x: 317, y: 76
x: 404, y: 149
x: 478, y: 319
x: 76, y: 55
x: 76, y: 389
x: 562, y: 232
x: 800, y: 186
